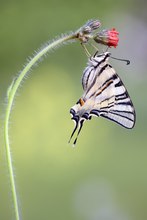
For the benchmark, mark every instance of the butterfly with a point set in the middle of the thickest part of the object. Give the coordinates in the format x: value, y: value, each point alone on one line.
x: 104, y: 95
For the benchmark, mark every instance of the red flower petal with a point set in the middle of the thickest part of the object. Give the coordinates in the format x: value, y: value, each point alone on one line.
x: 107, y: 37
x: 113, y: 37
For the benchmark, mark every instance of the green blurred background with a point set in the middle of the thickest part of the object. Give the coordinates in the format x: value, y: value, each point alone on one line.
x: 104, y: 177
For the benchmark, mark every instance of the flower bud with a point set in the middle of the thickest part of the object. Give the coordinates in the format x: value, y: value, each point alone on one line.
x: 90, y: 26
x: 107, y: 37
x: 85, y: 32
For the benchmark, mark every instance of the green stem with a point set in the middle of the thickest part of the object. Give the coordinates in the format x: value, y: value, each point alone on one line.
x: 11, y: 95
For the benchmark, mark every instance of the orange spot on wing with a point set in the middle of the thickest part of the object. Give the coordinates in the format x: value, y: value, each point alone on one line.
x: 81, y: 101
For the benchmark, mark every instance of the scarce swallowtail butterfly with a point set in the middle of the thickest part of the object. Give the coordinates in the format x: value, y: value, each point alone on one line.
x: 104, y: 95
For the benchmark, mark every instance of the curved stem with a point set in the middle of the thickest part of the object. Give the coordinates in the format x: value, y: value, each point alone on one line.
x: 11, y: 95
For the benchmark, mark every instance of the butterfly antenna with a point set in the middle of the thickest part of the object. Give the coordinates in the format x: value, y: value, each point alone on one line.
x: 127, y: 61
x: 81, y: 125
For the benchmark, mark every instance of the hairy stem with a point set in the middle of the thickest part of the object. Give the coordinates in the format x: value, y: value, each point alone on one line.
x: 11, y: 95
x: 83, y: 35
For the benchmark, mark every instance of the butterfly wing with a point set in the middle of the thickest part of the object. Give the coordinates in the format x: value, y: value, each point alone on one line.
x: 104, y: 95
x: 110, y: 98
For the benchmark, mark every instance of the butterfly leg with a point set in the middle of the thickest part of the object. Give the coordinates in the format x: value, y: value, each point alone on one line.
x: 86, y: 50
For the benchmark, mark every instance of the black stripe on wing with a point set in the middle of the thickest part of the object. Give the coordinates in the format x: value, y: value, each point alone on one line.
x: 120, y: 110
x: 124, y: 121
x: 97, y: 64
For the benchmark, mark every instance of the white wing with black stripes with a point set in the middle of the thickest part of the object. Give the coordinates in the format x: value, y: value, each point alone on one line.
x: 104, y: 95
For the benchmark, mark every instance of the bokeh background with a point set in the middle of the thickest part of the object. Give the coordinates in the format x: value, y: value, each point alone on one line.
x: 105, y: 176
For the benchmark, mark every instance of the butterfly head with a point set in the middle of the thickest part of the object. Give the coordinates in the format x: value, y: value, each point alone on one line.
x: 100, y: 57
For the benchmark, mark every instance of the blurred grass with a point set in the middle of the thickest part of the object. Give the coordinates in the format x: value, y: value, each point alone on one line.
x: 49, y: 172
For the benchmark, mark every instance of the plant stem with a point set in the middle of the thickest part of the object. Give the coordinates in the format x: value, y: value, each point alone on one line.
x: 83, y: 35
x: 11, y: 95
